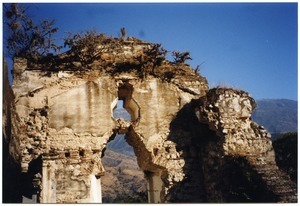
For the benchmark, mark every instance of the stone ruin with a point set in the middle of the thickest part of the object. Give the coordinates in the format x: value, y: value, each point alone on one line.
x: 194, y: 144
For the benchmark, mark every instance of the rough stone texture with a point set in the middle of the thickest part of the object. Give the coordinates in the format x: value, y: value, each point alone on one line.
x: 65, y: 121
x: 61, y: 122
x: 10, y: 167
x: 227, y: 112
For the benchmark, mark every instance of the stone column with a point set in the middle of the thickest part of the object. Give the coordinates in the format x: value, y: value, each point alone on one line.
x: 48, y: 190
x: 154, y: 186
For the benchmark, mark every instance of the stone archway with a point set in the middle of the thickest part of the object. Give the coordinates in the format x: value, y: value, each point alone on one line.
x: 152, y: 172
x: 123, y: 180
x: 67, y: 121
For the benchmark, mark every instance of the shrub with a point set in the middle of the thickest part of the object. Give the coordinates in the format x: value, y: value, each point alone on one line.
x: 24, y: 38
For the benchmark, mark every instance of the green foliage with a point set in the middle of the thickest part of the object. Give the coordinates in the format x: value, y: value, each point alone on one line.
x: 286, y: 152
x: 24, y: 37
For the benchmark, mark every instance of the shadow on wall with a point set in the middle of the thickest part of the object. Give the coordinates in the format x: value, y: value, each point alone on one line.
x: 11, y: 177
x: 185, y: 132
x: 209, y: 175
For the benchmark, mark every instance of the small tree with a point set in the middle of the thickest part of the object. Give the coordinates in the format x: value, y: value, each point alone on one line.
x: 152, y: 57
x: 24, y: 37
x: 181, y: 57
x: 86, y: 47
x: 156, y: 54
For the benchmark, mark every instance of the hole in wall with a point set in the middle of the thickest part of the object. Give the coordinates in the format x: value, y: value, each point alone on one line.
x: 120, y: 112
x: 129, y: 104
x: 123, y: 181
x: 81, y: 153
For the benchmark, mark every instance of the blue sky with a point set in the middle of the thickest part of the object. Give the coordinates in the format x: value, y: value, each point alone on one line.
x: 249, y: 46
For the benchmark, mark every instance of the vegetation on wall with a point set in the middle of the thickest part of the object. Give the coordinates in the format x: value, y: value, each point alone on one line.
x: 86, y: 47
x: 181, y: 57
x: 36, y: 43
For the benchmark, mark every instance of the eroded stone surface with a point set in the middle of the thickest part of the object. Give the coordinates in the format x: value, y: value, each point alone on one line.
x: 183, y: 136
x: 239, y: 140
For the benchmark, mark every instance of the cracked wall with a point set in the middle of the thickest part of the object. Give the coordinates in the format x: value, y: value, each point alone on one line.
x: 184, y: 136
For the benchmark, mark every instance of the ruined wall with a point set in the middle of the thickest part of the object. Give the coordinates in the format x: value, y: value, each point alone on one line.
x: 65, y: 120
x: 241, y: 148
x: 186, y: 139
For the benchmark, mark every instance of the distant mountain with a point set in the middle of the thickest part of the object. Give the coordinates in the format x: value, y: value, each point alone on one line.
x: 277, y: 115
x: 121, y: 113
x: 119, y: 144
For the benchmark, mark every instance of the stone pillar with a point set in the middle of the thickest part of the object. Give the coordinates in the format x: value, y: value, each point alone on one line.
x: 154, y: 186
x: 95, y: 191
x: 48, y: 193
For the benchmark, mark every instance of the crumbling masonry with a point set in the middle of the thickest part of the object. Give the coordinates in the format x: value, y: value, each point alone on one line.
x: 193, y: 144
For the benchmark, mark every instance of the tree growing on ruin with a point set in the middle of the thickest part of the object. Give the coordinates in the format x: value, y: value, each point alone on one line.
x: 24, y: 38
x: 181, y: 57
x: 86, y: 47
x: 152, y: 58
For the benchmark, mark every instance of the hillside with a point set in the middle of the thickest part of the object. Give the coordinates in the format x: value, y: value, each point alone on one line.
x: 276, y: 115
x: 119, y: 144
x: 123, y: 180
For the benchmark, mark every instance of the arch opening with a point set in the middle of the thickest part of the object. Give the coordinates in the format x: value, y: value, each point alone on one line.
x: 121, y: 112
x: 129, y: 104
x: 124, y: 181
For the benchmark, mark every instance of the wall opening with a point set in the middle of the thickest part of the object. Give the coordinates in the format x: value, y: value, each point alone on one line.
x: 120, y: 112
x: 129, y: 104
x: 124, y: 181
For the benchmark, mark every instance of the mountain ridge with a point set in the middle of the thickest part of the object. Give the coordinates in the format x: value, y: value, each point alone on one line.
x: 277, y: 115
